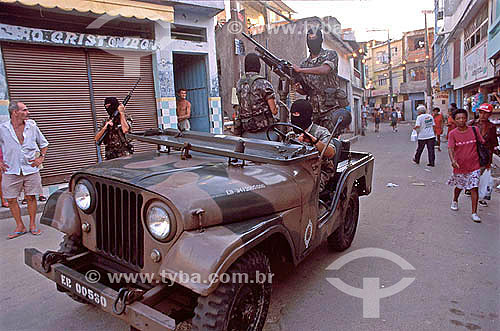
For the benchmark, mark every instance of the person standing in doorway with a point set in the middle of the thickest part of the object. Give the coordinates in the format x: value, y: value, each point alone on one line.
x: 438, y: 127
x: 183, y: 111
x: 424, y: 125
x: 20, y: 141
x: 464, y: 159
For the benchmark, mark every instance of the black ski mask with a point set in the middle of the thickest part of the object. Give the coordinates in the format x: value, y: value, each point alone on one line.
x: 252, y: 63
x: 314, y: 45
x: 304, y: 117
x: 113, y: 105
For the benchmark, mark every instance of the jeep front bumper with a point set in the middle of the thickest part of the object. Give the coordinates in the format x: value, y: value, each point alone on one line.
x: 137, y: 314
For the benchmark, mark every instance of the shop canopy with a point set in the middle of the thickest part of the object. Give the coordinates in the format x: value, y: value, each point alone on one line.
x: 125, y: 8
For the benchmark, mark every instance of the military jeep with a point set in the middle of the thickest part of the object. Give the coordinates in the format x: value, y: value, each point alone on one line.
x: 184, y: 220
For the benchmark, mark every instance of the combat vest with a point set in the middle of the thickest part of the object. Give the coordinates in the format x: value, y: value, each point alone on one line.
x: 253, y: 117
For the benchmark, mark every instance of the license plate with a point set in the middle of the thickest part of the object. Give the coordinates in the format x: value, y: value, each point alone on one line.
x: 81, y: 289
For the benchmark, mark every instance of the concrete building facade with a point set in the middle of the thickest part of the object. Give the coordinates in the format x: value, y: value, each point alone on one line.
x: 467, y: 48
x: 62, y: 60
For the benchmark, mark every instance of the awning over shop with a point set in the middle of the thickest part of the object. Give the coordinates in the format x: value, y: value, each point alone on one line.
x: 125, y: 8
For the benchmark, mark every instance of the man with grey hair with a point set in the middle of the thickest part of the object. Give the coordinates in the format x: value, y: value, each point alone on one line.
x: 426, y: 136
x: 24, y: 148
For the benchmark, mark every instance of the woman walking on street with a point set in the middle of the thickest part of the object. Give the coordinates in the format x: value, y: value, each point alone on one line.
x: 465, y: 161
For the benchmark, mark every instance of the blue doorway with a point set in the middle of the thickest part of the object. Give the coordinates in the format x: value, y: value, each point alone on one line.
x: 190, y: 73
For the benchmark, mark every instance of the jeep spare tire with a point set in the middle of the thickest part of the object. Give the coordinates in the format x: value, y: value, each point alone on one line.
x: 238, y: 305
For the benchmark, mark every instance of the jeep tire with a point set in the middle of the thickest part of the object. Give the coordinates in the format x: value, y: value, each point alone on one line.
x: 342, y: 238
x: 234, y: 305
x: 71, y: 245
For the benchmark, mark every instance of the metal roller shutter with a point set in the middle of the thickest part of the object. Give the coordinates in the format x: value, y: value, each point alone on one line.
x: 53, y: 83
x: 114, y: 74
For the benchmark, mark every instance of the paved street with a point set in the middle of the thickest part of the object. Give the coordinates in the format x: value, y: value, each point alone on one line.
x: 456, y: 261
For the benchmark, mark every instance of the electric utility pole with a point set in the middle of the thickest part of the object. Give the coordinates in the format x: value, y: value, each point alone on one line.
x: 427, y: 63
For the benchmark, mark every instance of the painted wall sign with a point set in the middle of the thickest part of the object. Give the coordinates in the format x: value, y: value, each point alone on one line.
x: 19, y: 33
x: 476, y: 64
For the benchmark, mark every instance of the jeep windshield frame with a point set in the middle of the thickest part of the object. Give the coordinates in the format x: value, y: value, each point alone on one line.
x: 261, y: 151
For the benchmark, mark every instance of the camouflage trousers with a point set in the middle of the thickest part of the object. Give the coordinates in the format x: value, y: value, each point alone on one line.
x: 327, y: 172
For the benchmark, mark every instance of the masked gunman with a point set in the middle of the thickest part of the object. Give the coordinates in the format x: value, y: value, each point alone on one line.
x: 117, y: 145
x: 320, y: 71
x: 316, y: 136
x: 257, y: 100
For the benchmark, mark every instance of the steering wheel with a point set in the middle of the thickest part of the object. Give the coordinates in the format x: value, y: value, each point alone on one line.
x: 283, y: 136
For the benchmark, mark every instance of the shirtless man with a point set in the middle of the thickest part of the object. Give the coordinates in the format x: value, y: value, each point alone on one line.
x: 183, y: 111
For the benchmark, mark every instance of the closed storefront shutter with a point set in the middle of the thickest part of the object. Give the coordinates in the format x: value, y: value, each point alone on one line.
x: 114, y: 73
x: 53, y: 83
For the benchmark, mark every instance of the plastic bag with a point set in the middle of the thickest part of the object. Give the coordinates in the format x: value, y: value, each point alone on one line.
x: 485, y: 185
x: 414, y: 135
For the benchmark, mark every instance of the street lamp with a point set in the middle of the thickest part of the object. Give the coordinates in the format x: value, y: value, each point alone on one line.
x: 391, y: 100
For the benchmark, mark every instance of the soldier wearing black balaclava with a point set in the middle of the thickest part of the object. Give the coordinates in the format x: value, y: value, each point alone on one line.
x: 116, y: 126
x: 318, y: 136
x: 257, y: 100
x: 320, y: 71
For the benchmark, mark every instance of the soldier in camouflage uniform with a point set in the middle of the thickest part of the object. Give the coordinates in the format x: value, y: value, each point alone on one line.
x: 320, y: 71
x: 317, y: 136
x: 117, y: 145
x: 257, y: 100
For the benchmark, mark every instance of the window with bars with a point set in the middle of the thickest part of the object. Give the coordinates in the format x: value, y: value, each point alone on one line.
x: 382, y: 57
x: 477, y: 30
x: 382, y: 80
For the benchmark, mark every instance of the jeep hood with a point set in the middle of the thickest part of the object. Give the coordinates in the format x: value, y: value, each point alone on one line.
x: 226, y: 194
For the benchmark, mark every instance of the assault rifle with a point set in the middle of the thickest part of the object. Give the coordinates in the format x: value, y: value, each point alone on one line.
x: 117, y: 112
x: 281, y: 67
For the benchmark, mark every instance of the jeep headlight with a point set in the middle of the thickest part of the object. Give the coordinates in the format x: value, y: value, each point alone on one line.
x: 160, y: 221
x: 84, y: 196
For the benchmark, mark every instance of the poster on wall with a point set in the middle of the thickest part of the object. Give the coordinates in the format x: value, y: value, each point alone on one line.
x: 476, y: 64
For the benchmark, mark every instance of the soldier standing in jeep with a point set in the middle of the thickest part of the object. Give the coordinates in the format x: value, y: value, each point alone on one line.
x: 257, y: 100
x: 320, y: 71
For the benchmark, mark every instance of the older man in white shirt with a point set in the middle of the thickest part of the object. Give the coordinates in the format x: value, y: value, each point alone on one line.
x: 21, y: 142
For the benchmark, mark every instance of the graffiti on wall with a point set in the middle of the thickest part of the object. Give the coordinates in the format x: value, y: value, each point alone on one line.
x: 214, y: 87
x: 19, y: 33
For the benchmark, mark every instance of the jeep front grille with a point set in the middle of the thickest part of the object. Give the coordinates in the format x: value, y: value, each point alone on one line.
x: 120, y: 234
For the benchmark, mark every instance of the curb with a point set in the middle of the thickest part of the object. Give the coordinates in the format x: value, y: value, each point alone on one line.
x: 5, y: 212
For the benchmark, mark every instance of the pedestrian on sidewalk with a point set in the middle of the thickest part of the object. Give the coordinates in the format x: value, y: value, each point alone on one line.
x: 438, y: 127
x: 450, y: 124
x: 487, y: 130
x: 465, y: 161
x: 20, y: 141
x: 424, y: 125
x: 394, y: 120
x: 376, y: 117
